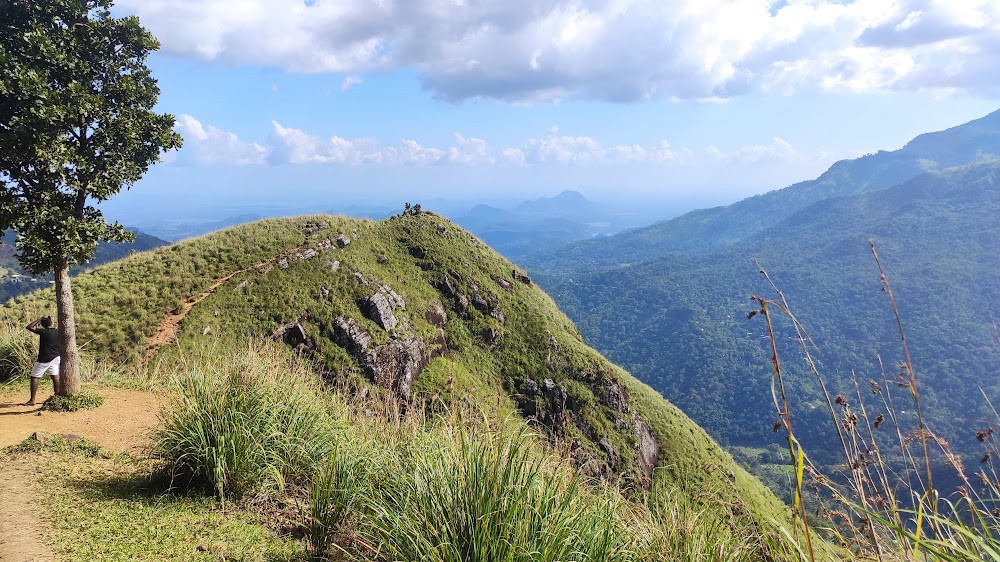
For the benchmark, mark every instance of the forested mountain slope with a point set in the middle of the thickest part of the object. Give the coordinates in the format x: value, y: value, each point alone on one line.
x: 679, y: 321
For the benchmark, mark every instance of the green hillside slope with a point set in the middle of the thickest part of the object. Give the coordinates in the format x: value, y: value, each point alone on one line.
x: 417, y: 307
x: 679, y: 322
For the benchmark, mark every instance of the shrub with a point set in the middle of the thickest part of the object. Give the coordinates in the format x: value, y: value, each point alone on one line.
x: 86, y: 399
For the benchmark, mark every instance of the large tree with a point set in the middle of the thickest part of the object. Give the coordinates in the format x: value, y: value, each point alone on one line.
x: 76, y: 126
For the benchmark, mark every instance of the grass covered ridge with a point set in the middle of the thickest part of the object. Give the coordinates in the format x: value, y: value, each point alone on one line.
x: 504, y: 344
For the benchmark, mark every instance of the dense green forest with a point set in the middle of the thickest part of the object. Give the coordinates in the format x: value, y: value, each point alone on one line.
x: 678, y: 319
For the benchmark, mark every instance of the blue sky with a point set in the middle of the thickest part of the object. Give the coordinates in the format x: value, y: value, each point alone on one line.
x: 317, y: 104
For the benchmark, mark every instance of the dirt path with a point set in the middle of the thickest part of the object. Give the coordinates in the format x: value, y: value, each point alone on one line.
x: 22, y: 533
x: 122, y: 423
x: 168, y: 328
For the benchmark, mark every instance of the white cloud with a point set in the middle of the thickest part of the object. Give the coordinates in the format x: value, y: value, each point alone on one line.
x: 349, y: 82
x: 213, y: 146
x: 210, y: 146
x: 619, y: 50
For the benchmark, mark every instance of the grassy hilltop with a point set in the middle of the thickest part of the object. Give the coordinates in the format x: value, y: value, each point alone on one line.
x: 415, y: 312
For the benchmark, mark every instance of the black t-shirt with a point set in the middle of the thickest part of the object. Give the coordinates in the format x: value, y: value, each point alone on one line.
x: 48, y: 344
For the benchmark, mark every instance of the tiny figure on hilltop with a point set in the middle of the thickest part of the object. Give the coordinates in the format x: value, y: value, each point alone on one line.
x: 48, y: 355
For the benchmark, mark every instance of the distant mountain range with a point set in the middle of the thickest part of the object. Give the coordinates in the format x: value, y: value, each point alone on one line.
x: 669, y: 302
x: 15, y: 281
x: 542, y: 224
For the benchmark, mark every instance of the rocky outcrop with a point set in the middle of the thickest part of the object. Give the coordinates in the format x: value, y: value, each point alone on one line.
x: 313, y: 227
x: 294, y: 336
x: 342, y: 241
x: 613, y: 395
x: 394, y: 364
x: 378, y: 309
x: 436, y: 315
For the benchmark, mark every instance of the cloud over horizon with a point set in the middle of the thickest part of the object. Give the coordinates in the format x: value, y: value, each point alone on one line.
x: 206, y: 145
x: 613, y: 50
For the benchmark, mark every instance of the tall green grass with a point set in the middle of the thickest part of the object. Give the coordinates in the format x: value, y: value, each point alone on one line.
x: 243, y: 431
x: 480, y: 498
x: 17, y: 352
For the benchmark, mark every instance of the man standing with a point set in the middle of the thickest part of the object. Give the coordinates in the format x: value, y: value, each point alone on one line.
x: 48, y: 355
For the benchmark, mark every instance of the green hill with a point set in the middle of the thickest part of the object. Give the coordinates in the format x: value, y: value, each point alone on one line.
x: 418, y: 308
x: 14, y: 281
x: 679, y: 321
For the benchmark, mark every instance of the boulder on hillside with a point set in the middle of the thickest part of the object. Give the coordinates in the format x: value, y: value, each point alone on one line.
x: 393, y: 365
x: 435, y: 314
x: 613, y: 395
x: 647, y: 449
x: 294, y: 336
x: 342, y: 241
x: 350, y: 336
x: 378, y: 309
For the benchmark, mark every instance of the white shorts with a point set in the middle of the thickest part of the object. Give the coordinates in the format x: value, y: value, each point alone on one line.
x: 41, y: 369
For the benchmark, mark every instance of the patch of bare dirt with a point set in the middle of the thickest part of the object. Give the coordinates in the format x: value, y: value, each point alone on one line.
x: 122, y: 423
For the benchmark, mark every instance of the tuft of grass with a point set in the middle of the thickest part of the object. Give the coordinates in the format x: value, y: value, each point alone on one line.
x: 491, y: 497
x: 243, y: 432
x: 86, y: 400
x: 16, y: 352
x: 57, y: 444
x: 335, y: 493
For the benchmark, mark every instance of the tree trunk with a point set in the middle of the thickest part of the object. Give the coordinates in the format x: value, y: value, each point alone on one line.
x: 69, y: 356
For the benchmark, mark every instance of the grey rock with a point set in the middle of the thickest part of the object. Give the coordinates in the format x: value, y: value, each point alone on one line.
x: 498, y: 314
x: 350, y: 336
x: 491, y: 335
x: 307, y: 255
x: 342, y: 241
x: 435, y: 314
x: 445, y: 287
x: 480, y: 304
x: 332, y: 265
x: 292, y: 334
x: 529, y: 388
x: 283, y: 263
x: 647, y: 448
x: 378, y: 309
x: 523, y: 278
x: 462, y: 303
x: 614, y: 395
x: 614, y: 461
x: 503, y: 283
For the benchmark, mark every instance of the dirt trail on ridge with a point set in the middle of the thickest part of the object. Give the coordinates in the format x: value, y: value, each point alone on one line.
x: 171, y: 323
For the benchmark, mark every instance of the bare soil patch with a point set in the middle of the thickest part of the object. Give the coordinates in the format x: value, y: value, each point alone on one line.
x: 123, y: 423
x: 22, y: 532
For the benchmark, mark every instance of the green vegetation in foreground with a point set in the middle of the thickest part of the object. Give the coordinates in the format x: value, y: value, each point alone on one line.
x: 105, y: 507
